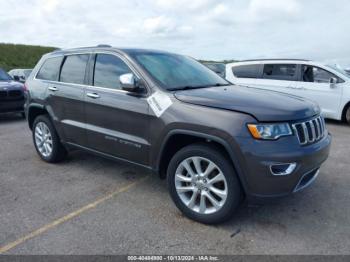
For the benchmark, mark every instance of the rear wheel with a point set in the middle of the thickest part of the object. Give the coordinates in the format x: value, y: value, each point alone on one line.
x: 203, y: 184
x: 46, y: 140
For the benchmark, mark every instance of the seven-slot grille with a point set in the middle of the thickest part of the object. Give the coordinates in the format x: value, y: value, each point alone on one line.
x: 310, y: 131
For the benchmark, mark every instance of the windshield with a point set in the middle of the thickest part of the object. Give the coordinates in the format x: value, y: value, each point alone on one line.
x: 175, y: 72
x: 339, y: 69
x: 4, y: 76
x: 27, y: 72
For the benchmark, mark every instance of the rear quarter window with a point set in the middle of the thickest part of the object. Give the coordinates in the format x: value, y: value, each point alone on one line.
x: 246, y: 71
x: 50, y: 69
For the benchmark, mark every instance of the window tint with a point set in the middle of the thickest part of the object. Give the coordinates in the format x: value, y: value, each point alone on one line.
x: 246, y: 71
x: 280, y: 71
x: 108, y: 69
x: 317, y: 75
x: 73, y: 70
x: 50, y: 69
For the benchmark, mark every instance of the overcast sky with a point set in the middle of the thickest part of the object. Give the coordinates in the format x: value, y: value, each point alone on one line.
x: 205, y: 29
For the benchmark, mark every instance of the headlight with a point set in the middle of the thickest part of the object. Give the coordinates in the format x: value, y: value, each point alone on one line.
x: 269, y: 131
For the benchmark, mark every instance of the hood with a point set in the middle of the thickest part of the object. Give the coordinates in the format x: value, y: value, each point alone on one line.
x: 10, y: 85
x: 265, y: 106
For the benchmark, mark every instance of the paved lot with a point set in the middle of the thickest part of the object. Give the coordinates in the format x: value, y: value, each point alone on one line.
x: 52, y: 209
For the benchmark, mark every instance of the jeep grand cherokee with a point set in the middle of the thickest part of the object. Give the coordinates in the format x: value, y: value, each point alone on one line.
x: 215, y: 143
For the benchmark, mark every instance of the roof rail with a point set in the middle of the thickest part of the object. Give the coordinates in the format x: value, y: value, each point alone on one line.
x: 103, y: 45
x: 274, y: 59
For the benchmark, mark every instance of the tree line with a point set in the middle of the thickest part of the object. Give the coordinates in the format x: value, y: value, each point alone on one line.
x: 26, y: 56
x: 21, y: 56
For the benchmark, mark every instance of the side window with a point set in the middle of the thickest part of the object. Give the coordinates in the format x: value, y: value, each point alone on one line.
x: 246, y: 71
x: 280, y: 71
x: 317, y: 75
x: 108, y: 69
x: 73, y: 69
x: 50, y: 69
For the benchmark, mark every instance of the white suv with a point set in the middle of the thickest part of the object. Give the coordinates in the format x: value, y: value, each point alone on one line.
x: 329, y: 86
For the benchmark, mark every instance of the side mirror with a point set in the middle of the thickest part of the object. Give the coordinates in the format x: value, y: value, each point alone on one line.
x: 333, y: 81
x: 130, y: 83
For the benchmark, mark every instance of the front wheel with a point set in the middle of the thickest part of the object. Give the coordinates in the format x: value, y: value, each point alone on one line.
x: 347, y: 115
x: 203, y: 184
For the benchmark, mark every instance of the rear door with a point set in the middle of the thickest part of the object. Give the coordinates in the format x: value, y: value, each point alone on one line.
x: 66, y: 99
x: 278, y: 77
x: 315, y: 85
x: 117, y: 121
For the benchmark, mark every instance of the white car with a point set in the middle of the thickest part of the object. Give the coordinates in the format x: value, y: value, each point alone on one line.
x: 329, y: 86
x: 20, y: 75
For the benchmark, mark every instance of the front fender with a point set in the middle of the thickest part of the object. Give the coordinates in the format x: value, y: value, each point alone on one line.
x: 230, y: 146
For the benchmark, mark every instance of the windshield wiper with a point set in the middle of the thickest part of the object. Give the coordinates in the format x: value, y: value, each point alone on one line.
x: 218, y: 84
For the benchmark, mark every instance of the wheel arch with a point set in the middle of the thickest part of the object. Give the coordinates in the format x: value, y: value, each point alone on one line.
x: 345, y: 108
x: 35, y: 110
x: 186, y: 137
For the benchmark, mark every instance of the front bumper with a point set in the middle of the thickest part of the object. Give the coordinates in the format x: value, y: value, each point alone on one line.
x: 261, y: 184
x: 9, y: 106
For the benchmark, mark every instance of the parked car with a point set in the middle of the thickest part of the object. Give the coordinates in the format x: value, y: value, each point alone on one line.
x: 216, y: 144
x: 218, y: 68
x: 11, y: 94
x: 20, y: 75
x: 329, y: 86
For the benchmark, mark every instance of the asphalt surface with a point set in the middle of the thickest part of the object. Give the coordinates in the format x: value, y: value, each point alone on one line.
x: 52, y: 209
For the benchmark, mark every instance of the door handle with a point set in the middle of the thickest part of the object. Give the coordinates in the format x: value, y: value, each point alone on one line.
x: 53, y: 88
x: 93, y: 95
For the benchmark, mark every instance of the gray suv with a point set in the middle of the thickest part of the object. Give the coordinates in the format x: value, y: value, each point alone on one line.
x: 215, y: 143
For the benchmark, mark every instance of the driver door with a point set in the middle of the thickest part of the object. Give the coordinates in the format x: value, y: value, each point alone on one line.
x: 117, y: 122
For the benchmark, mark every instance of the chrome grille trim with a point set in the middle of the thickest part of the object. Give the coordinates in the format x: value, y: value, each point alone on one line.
x: 321, y: 126
x: 318, y: 129
x: 310, y: 131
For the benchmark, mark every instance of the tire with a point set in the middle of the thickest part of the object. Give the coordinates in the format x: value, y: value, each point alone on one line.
x: 57, y: 152
x: 347, y: 115
x: 202, y: 186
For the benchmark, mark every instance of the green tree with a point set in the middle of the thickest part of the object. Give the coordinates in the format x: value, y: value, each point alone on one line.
x: 21, y: 56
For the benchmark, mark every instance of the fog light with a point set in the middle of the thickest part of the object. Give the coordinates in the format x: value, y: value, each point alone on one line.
x: 282, y: 169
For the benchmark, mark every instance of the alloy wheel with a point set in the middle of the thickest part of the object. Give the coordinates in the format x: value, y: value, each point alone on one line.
x: 201, y: 185
x: 43, y: 139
